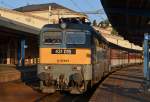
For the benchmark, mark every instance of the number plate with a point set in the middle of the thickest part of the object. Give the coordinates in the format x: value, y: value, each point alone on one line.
x: 63, y: 51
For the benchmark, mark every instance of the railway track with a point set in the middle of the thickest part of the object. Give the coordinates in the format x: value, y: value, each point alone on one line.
x: 67, y: 97
x: 64, y: 96
x: 29, y: 92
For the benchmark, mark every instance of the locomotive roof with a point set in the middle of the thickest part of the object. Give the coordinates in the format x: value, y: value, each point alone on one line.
x: 80, y: 27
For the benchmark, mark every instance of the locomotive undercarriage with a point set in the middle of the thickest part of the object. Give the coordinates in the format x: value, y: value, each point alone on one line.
x: 70, y: 79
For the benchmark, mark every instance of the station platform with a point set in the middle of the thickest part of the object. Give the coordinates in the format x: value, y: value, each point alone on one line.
x: 11, y: 73
x: 125, y: 85
x: 18, y: 92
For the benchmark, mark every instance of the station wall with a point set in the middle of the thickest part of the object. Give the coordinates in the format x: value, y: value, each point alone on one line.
x: 9, y: 46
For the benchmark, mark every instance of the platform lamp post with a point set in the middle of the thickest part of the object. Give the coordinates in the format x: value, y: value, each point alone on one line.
x: 146, y: 60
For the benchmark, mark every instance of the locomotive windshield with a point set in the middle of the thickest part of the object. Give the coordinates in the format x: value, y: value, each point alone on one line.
x: 75, y: 37
x: 52, y: 37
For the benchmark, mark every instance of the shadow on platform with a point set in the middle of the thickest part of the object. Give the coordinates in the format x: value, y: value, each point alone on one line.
x: 26, y: 74
x: 125, y: 85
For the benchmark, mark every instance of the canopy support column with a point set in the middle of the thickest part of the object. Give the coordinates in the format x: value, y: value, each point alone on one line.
x: 21, y: 52
x: 146, y: 60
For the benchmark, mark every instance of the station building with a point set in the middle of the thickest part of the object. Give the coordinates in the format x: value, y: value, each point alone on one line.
x: 51, y: 11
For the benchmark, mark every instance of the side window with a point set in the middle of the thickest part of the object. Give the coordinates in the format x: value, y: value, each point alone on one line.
x: 103, y: 50
x: 101, y: 45
x: 96, y: 42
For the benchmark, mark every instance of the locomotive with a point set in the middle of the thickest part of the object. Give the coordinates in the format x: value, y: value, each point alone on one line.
x: 74, y: 57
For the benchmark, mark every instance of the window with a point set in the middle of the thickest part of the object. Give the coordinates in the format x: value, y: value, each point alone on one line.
x: 52, y: 37
x: 75, y: 37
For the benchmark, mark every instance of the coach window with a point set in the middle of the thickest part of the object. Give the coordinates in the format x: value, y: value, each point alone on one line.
x: 105, y: 46
x: 95, y: 49
x: 101, y: 45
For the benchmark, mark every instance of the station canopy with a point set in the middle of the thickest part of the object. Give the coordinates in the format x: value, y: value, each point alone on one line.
x: 16, y: 28
x: 131, y: 18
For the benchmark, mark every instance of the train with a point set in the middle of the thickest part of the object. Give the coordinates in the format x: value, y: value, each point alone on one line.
x: 74, y: 57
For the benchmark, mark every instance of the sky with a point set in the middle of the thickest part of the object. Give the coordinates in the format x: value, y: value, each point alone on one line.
x: 77, y: 5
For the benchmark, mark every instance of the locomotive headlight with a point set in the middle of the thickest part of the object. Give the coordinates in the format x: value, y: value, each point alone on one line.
x: 45, y: 67
x: 63, y: 25
x: 77, y: 68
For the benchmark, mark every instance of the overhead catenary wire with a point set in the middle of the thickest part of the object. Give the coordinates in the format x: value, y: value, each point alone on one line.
x: 90, y: 5
x: 94, y: 12
x: 76, y: 5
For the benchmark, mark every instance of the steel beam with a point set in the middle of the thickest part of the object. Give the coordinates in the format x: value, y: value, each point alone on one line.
x: 146, y: 59
x: 21, y: 52
x: 130, y: 12
x: 132, y: 28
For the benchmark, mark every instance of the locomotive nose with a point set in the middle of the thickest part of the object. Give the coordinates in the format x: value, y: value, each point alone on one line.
x: 77, y: 78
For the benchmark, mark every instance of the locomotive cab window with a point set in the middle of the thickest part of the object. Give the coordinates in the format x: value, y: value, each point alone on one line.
x: 75, y: 37
x: 52, y: 37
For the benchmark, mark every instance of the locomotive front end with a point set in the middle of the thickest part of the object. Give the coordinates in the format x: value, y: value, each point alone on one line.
x: 65, y: 60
